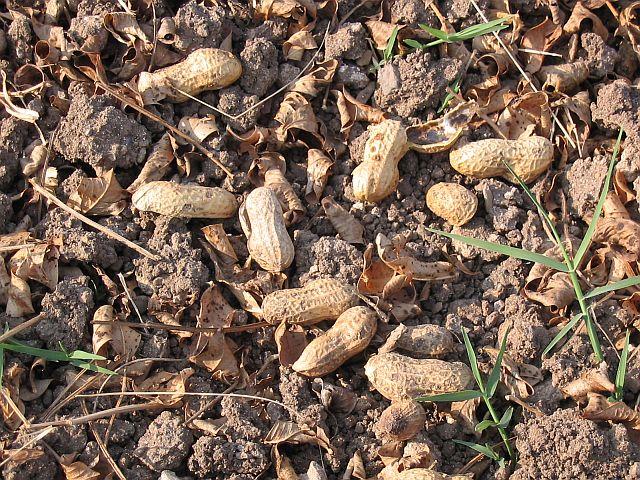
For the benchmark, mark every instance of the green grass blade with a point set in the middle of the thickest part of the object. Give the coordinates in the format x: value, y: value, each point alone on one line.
x: 451, y: 397
x: 586, y: 241
x: 478, y: 30
x: 473, y: 360
x: 49, y: 355
x: 92, y: 367
x: 506, y: 418
x: 621, y: 373
x: 483, y: 425
x: 82, y: 355
x: 494, y: 376
x: 388, y: 51
x: 562, y: 333
x: 1, y: 365
x: 593, y: 337
x: 612, y: 287
x: 439, y: 34
x: 455, y: 89
x: 486, y: 450
x: 505, y: 250
x: 414, y: 44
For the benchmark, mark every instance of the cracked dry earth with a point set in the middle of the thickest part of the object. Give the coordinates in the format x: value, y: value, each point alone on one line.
x: 227, y: 202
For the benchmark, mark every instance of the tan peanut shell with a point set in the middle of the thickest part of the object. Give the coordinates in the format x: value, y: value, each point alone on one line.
x: 401, y: 421
x: 318, y: 300
x: 528, y: 157
x: 350, y: 335
x: 426, y: 341
x: 204, y: 69
x: 377, y: 176
x: 188, y: 201
x: 263, y: 224
x: 427, y: 474
x: 453, y: 202
x: 398, y: 377
x: 565, y: 77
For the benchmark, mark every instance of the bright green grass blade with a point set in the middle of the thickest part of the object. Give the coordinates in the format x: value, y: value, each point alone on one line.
x: 451, y: 397
x: 494, y: 376
x: 621, y: 373
x: 472, y: 359
x: 414, y: 44
x: 505, y: 250
x: 562, y: 333
x: 486, y: 450
x: 612, y: 287
x: 455, y: 87
x: 1, y: 365
x: 50, y: 355
x: 586, y: 241
x: 439, y: 34
x: 483, y: 425
x: 593, y: 337
x: 92, y: 367
x: 82, y: 355
x: 388, y: 51
x: 506, y: 418
x: 478, y: 30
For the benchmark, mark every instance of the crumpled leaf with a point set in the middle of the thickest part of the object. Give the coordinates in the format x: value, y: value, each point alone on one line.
x: 38, y: 262
x: 199, y: 128
x: 355, y: 467
x: 375, y: 274
x: 217, y: 238
x: 283, y: 466
x: 166, y: 382
x: 124, y: 27
x: 11, y: 388
x: 295, y: 46
x: 526, y: 115
x: 321, y: 76
x: 352, y: 110
x: 465, y: 413
x: 156, y: 165
x: 334, y: 398
x: 440, y: 134
x: 294, y: 114
x: 291, y: 340
x: 280, y: 8
x: 286, y: 431
x: 620, y: 235
x: 37, y: 386
x: 99, y: 196
x: 599, y: 409
x: 591, y: 381
x: 579, y: 14
x: 349, y: 229
x: 629, y: 26
x: 553, y: 290
x: 123, y: 339
x: 540, y: 37
x: 79, y: 471
x: 19, y: 298
x: 11, y: 108
x: 518, y: 377
x: 5, y: 279
x: 318, y: 168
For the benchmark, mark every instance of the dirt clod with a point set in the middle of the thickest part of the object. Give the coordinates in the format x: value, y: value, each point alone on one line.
x: 166, y: 443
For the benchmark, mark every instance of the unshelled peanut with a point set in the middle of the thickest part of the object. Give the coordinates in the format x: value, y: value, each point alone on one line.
x: 564, y: 78
x: 401, y: 421
x: 528, y: 157
x: 318, y: 300
x: 421, y: 341
x: 263, y: 223
x: 188, y: 201
x: 349, y: 336
x: 453, y: 202
x: 377, y: 176
x: 398, y: 377
x: 204, y: 69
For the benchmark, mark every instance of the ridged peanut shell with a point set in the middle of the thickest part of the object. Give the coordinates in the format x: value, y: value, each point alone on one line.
x: 426, y: 341
x: 377, y: 176
x: 350, y: 335
x: 262, y: 221
x: 318, y: 300
x: 453, y: 202
x: 528, y: 157
x: 204, y: 69
x: 186, y: 201
x: 401, y: 421
x: 398, y: 377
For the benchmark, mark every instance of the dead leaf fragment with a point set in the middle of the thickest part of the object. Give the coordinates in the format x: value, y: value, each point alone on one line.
x: 173, y: 383
x: 352, y: 110
x: 349, y: 229
x: 591, y: 381
x: 156, y: 165
x: 295, y: 46
x: 99, y: 196
x: 285, y: 431
x: 79, y: 471
x: 579, y: 14
x: 599, y: 409
x: 108, y: 331
x: 19, y: 298
x: 291, y: 341
x: 318, y: 167
x: 39, y: 263
x: 217, y: 237
x: 541, y: 38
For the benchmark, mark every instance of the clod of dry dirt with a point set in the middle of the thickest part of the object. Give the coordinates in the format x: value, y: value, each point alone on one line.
x: 259, y: 66
x: 200, y: 26
x: 166, y: 443
x: 583, y: 181
x: 349, y: 42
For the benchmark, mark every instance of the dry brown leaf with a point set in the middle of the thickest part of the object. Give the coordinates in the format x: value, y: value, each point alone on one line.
x: 620, y: 235
x: 280, y: 8
x: 629, y: 26
x: 465, y: 413
x: 355, y: 467
x: 541, y: 37
x: 318, y: 167
x: 336, y: 399
x: 525, y: 116
x: 352, y: 110
x: 381, y: 32
x: 624, y: 193
x: 11, y: 108
x: 123, y: 339
x: 99, y: 196
x: 5, y: 279
x: 349, y: 229
x: 124, y: 27
x: 37, y: 386
x: 174, y: 383
x: 518, y: 377
x: 295, y: 113
x: 39, y: 263
x: 591, y: 381
x: 321, y: 76
x: 291, y: 340
x: 218, y: 239
x: 440, y: 134
x: 375, y: 274
x: 599, y: 409
x: 579, y: 14
x: 11, y: 389
x: 285, y: 431
x: 79, y: 471
x: 282, y: 464
x: 198, y: 128
x: 19, y: 298
x: 555, y: 291
x: 157, y: 163
x: 295, y: 46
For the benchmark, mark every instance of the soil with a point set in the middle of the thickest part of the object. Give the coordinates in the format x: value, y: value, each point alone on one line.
x: 162, y: 347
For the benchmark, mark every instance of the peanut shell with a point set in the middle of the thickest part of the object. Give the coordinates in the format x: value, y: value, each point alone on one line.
x: 453, y: 202
x: 401, y: 421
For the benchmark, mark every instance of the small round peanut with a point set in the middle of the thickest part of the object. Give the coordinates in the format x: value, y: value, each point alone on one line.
x: 401, y: 421
x: 202, y: 70
x: 349, y: 336
x: 187, y: 201
x: 377, y: 176
x: 263, y: 224
x: 398, y: 377
x: 453, y: 202
x: 318, y: 300
x: 528, y: 157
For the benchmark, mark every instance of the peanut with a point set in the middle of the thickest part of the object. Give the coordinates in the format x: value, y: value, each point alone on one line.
x: 262, y: 221
x: 422, y: 341
x: 528, y: 157
x: 427, y: 474
x: 453, y: 202
x: 189, y: 201
x: 398, y: 377
x: 401, y: 421
x: 565, y: 77
x: 377, y: 176
x: 322, y: 299
x: 202, y: 70
x: 349, y: 336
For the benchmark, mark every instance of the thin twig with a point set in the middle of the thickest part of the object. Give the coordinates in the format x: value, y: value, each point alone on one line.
x: 98, y: 415
x: 19, y: 328
x: 103, y: 446
x: 35, y: 439
x: 108, y: 232
x: 539, y: 52
x: 181, y: 328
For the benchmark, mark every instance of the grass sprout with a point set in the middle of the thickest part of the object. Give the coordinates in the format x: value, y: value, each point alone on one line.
x: 486, y: 391
x: 467, y: 34
x: 621, y: 373
x: 570, y: 264
x: 387, y: 53
x: 454, y: 90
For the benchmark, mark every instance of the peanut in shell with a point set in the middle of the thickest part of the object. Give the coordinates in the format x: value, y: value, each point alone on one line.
x: 453, y: 202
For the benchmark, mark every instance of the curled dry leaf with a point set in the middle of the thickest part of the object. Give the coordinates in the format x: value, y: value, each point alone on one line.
x: 174, y: 383
x: 599, y: 409
x: 321, y: 76
x: 465, y: 413
x: 620, y: 235
x: 591, y: 381
x: 37, y: 386
x: 336, y: 399
x: 199, y: 128
x: 218, y: 239
x: 554, y: 290
x: 124, y: 27
x: 295, y: 114
x: 579, y: 14
x: 629, y: 25
x: 375, y: 274
x: 291, y: 341
x: 318, y: 168
x: 564, y: 78
x: 157, y: 164
x: 525, y: 115
x: 19, y: 298
x: 285, y: 431
x: 79, y: 471
x: 518, y: 377
x: 11, y: 108
x: 349, y: 229
x: 541, y: 38
x: 38, y: 262
x: 351, y: 110
x: 295, y: 46
x: 99, y: 196
x: 108, y: 331
x: 5, y: 279
x: 11, y: 389
x: 440, y: 134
